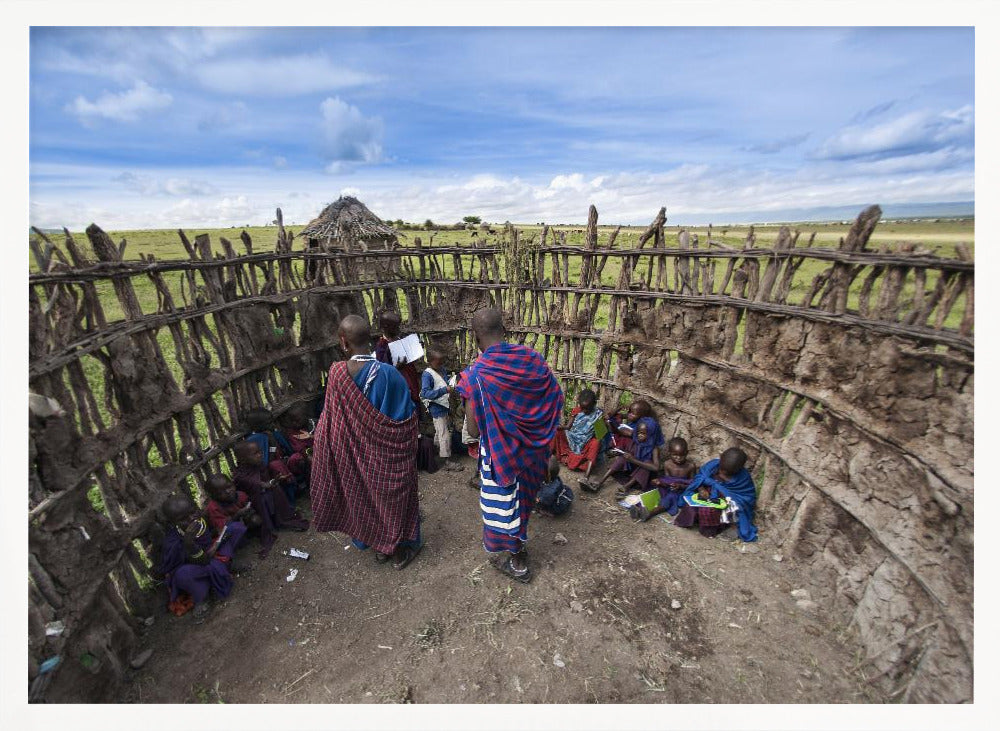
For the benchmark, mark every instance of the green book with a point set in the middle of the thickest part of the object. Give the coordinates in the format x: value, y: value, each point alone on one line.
x: 600, y: 429
x: 650, y: 498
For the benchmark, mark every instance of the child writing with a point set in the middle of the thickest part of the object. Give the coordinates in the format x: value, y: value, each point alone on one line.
x: 435, y: 394
x: 296, y: 440
x: 260, y: 423
x: 640, y: 462
x: 268, y: 500
x: 623, y: 430
x: 577, y: 447
x: 678, y: 471
x: 720, y: 484
x: 554, y: 497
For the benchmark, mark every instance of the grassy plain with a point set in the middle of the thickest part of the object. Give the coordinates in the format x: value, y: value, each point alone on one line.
x: 940, y: 237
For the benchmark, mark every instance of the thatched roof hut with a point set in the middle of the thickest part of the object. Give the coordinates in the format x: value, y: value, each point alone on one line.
x: 348, y: 225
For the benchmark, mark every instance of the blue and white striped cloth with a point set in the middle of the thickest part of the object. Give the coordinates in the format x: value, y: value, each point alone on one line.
x: 499, y: 503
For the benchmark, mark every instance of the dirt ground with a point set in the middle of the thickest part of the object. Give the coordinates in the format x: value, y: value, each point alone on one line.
x: 599, y: 623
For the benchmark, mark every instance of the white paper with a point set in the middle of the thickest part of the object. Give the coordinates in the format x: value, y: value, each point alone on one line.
x: 406, y: 350
x: 453, y: 381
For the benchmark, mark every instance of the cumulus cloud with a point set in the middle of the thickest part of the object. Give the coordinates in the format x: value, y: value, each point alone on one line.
x: 915, y: 132
x: 282, y: 76
x: 147, y: 185
x: 700, y: 191
x: 349, y: 137
x: 227, y: 211
x: 280, y: 162
x: 126, y: 106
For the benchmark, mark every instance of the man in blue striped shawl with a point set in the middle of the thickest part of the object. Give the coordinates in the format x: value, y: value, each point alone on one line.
x: 515, y: 403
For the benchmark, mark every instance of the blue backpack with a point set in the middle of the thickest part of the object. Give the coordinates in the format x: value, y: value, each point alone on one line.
x: 555, y: 497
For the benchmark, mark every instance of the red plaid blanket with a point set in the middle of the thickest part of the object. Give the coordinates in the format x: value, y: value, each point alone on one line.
x: 364, y: 471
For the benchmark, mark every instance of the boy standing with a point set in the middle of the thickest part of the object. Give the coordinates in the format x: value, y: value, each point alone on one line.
x: 435, y: 394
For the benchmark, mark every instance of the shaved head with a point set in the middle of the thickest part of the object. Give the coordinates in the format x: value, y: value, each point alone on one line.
x: 176, y: 508
x: 354, y: 329
x: 488, y: 325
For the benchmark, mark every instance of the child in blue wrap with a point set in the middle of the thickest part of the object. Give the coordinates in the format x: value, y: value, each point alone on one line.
x: 726, y: 477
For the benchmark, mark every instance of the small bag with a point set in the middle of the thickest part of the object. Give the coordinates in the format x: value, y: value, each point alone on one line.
x: 555, y: 497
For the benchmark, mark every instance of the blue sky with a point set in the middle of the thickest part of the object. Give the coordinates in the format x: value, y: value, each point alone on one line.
x: 166, y: 127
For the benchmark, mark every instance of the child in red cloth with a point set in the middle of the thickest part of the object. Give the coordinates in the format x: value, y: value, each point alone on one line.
x: 577, y: 446
x: 297, y: 432
x: 228, y: 504
x: 267, y: 498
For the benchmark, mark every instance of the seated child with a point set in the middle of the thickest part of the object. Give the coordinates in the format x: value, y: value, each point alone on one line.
x: 554, y: 498
x: 622, y: 430
x: 295, y: 438
x: 577, y: 447
x: 677, y: 473
x: 193, y: 561
x: 268, y: 500
x: 260, y: 421
x: 436, y: 394
x: 640, y: 462
x: 726, y: 477
x: 227, y: 504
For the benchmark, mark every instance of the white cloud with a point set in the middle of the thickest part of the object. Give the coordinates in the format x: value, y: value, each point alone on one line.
x: 75, y: 196
x: 228, y: 211
x: 280, y: 162
x: 147, y: 185
x: 222, y: 117
x: 348, y: 135
x: 126, y: 106
x: 914, y: 132
x: 282, y: 76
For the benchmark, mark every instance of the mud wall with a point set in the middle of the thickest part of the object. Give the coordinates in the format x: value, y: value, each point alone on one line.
x: 850, y: 388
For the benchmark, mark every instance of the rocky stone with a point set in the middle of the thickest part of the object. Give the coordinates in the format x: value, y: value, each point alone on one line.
x: 675, y: 604
x: 801, y: 594
x: 560, y: 539
x: 807, y: 605
x: 576, y: 606
x: 141, y: 659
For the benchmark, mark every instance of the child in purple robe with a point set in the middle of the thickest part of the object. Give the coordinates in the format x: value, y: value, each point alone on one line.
x: 267, y: 498
x: 640, y: 462
x: 678, y: 471
x: 193, y: 560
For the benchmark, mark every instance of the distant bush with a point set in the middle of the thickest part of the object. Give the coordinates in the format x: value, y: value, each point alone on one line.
x: 472, y: 219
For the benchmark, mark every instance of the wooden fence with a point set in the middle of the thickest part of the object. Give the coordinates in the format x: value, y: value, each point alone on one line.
x: 851, y: 390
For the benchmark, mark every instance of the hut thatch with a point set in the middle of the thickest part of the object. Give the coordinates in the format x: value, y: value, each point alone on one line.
x: 347, y: 224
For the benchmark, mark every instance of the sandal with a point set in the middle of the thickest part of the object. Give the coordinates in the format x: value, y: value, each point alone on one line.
x: 381, y: 557
x: 587, y: 485
x: 507, y: 567
x: 409, y: 553
x: 639, y: 513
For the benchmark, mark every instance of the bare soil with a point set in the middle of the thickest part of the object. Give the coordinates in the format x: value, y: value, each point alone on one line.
x: 597, y: 623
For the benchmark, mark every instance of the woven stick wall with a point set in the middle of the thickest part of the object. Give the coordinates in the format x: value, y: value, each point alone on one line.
x: 852, y: 396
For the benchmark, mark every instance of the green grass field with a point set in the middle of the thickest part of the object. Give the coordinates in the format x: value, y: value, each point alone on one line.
x: 940, y: 238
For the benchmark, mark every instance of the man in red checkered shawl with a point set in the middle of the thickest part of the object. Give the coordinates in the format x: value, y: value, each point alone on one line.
x: 364, y: 471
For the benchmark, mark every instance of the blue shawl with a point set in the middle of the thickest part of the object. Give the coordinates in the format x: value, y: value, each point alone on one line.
x: 741, y: 489
x: 643, y: 451
x: 582, y: 429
